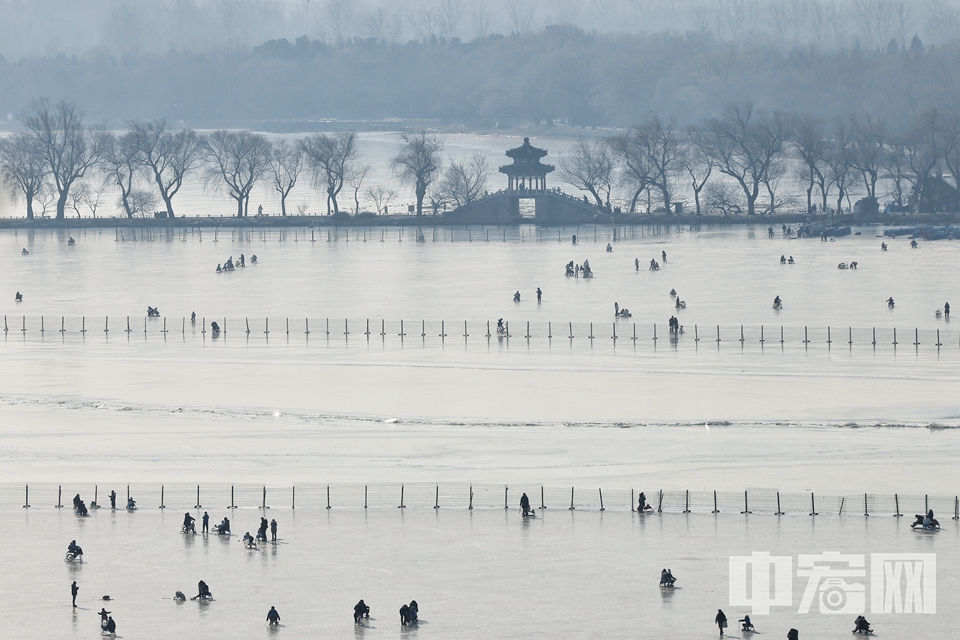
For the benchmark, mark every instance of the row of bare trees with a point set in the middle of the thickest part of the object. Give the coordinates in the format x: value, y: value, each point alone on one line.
x: 755, y: 149
x: 48, y: 160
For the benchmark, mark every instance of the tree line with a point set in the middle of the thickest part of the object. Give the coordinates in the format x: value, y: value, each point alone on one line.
x: 744, y: 160
x: 60, y: 163
x: 560, y: 75
x: 755, y: 152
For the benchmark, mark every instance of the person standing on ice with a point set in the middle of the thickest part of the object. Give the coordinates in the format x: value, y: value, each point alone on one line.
x: 113, y: 499
x: 721, y: 620
x: 74, y: 590
x: 273, y: 617
x: 206, y: 522
x: 273, y: 530
x: 525, y: 505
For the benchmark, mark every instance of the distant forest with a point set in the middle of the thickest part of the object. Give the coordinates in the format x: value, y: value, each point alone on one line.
x: 554, y: 75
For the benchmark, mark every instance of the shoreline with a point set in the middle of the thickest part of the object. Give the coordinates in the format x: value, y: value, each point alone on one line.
x: 693, y: 221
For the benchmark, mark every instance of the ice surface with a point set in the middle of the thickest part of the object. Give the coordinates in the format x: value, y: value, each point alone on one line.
x: 480, y: 574
x: 183, y: 408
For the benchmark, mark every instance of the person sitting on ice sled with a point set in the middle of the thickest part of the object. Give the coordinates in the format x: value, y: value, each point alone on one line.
x: 926, y: 522
x: 862, y: 626
x: 203, y: 592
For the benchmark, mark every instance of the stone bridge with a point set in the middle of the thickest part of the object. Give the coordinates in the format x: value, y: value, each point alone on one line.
x: 550, y: 207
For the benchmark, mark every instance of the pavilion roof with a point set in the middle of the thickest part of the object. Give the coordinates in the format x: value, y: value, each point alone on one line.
x: 526, y: 161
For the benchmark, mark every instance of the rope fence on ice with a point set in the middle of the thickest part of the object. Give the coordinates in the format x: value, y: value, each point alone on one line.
x: 588, y: 334
x: 466, y: 496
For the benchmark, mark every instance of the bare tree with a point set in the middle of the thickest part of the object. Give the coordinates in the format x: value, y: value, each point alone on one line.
x: 840, y: 159
x: 590, y: 168
x: 697, y: 163
x: 661, y: 142
x: 329, y: 158
x: 87, y: 194
x: 357, y: 175
x: 142, y: 202
x: 381, y: 197
x: 238, y: 160
x: 744, y: 143
x: 894, y: 161
x: 520, y: 14
x: 464, y: 181
x: 808, y: 136
x: 869, y: 136
x: 67, y: 147
x: 286, y: 163
x: 951, y: 146
x: 636, y: 172
x: 481, y: 22
x: 167, y: 156
x: 724, y: 198
x: 418, y: 162
x: 339, y: 15
x: 121, y: 162
x: 926, y: 145
x: 375, y: 22
x: 22, y: 168
x: 423, y: 21
x: 449, y: 16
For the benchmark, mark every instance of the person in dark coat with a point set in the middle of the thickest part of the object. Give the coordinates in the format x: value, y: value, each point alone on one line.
x: 360, y: 611
x: 721, y: 620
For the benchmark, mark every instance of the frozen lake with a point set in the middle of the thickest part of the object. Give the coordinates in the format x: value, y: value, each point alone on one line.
x: 184, y: 407
x: 475, y: 574
x: 187, y: 406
